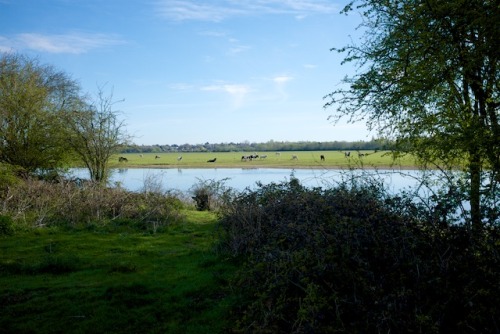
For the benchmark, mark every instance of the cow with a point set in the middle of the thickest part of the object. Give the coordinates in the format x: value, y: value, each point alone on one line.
x: 179, y: 158
x: 263, y: 156
x: 322, y: 157
x: 122, y: 159
x: 212, y: 160
x: 295, y: 157
x: 249, y: 157
x: 157, y: 157
x: 347, y: 154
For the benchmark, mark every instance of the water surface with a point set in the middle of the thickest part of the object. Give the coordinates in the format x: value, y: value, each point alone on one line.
x: 135, y: 179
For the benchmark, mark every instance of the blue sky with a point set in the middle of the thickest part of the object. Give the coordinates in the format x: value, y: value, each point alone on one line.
x: 192, y: 71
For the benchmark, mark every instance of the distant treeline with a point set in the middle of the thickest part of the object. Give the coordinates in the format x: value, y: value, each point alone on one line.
x: 374, y: 144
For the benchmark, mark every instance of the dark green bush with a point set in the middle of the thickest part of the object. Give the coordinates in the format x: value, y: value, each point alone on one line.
x: 6, y: 225
x: 352, y: 259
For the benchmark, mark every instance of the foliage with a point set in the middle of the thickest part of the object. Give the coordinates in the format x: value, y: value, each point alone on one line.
x: 210, y: 195
x: 6, y: 225
x: 270, y: 146
x: 429, y: 79
x: 354, y: 259
x: 33, y: 101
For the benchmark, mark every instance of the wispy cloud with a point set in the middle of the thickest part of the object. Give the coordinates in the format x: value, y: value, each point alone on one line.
x: 216, y: 11
x: 280, y: 82
x: 73, y: 43
x: 236, y: 92
x: 180, y: 86
x: 238, y: 49
x: 190, y: 10
x: 282, y: 79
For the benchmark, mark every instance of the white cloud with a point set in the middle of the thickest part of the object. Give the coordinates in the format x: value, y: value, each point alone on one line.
x: 216, y: 11
x: 280, y: 82
x: 238, y: 49
x: 74, y: 43
x: 236, y: 92
x: 282, y: 79
x: 181, y: 86
x: 189, y: 10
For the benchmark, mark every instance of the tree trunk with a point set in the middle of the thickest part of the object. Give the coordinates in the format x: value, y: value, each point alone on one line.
x: 475, y: 192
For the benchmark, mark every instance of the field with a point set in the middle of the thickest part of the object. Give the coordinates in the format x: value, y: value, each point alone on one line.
x: 305, y: 159
x: 115, y: 280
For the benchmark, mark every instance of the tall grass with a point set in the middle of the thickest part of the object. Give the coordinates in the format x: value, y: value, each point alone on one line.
x: 35, y: 203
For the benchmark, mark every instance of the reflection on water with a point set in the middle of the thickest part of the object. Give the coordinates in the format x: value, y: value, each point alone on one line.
x: 240, y: 178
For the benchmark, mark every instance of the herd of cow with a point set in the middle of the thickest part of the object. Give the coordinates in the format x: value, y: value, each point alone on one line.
x: 253, y: 157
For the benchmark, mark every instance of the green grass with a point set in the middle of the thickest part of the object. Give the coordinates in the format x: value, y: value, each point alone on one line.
x: 306, y: 159
x: 115, y: 280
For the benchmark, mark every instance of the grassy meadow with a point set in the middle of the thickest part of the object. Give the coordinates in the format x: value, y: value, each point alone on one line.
x: 305, y: 159
x: 114, y: 280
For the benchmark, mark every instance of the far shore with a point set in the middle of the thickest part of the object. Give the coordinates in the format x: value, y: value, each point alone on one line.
x: 211, y: 166
x: 284, y: 160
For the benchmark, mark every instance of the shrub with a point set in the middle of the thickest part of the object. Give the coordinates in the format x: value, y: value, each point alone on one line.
x: 6, y: 225
x: 353, y: 259
x: 210, y: 195
x: 37, y: 203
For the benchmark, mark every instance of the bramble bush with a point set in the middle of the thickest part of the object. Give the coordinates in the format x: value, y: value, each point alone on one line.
x: 36, y: 203
x: 210, y: 195
x: 354, y: 259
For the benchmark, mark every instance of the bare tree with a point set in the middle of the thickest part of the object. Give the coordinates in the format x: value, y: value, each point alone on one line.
x: 97, y: 133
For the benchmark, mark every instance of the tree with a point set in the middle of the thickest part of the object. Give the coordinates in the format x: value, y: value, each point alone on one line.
x: 97, y: 133
x: 33, y: 98
x: 428, y: 77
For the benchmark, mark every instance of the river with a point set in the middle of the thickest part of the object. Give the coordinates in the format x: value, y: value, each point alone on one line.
x: 135, y: 179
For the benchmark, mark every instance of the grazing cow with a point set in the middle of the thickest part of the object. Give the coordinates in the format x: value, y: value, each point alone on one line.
x: 347, y: 154
x: 179, y: 158
x: 122, y: 159
x: 322, y: 157
x: 249, y: 157
x: 263, y: 156
x: 157, y: 157
x: 294, y: 157
x: 278, y: 154
x: 141, y: 155
x: 212, y: 160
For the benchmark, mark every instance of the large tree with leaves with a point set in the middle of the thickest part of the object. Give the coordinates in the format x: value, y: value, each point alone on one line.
x: 33, y: 99
x: 428, y: 77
